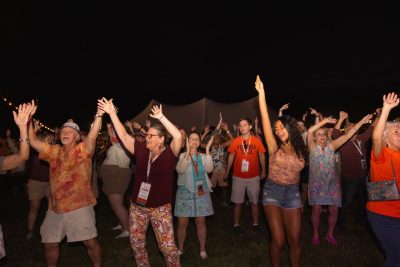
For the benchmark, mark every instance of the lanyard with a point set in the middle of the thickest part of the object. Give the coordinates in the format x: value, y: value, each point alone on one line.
x: 195, y: 164
x: 248, y: 146
x: 358, y: 146
x: 151, y: 162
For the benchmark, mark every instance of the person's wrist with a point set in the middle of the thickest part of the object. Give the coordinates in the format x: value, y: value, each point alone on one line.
x: 24, y: 139
x: 228, y: 131
x: 98, y: 115
x: 161, y: 117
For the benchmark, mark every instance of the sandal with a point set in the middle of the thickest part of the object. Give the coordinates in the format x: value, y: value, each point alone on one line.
x: 203, y: 255
x: 331, y: 240
x: 315, y: 241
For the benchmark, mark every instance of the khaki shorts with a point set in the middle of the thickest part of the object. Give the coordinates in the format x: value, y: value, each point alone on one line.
x: 77, y: 225
x: 115, y: 179
x: 218, y: 176
x: 38, y: 189
x: 241, y: 185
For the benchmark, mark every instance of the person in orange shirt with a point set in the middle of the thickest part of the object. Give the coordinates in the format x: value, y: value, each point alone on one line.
x: 384, y: 216
x: 246, y: 154
x: 72, y: 200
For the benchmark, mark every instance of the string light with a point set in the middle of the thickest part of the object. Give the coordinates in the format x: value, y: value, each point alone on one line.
x: 10, y: 104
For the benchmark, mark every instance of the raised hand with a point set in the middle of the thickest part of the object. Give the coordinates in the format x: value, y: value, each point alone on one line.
x: 284, y: 107
x: 390, y: 100
x: 106, y: 106
x: 259, y: 85
x: 24, y: 113
x: 329, y: 120
x: 256, y: 120
x: 220, y: 121
x: 187, y: 145
x: 224, y: 126
x: 343, y: 115
x: 34, y: 108
x: 37, y: 125
x: 209, y: 144
x: 314, y: 112
x: 304, y: 116
x: 157, y: 112
x: 367, y: 118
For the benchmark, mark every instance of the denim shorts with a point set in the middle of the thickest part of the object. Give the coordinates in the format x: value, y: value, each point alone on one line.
x: 285, y: 196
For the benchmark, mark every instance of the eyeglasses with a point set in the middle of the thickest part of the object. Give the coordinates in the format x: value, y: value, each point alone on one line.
x: 149, y: 136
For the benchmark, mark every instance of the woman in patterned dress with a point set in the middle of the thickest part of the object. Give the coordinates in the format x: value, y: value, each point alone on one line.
x: 324, y: 184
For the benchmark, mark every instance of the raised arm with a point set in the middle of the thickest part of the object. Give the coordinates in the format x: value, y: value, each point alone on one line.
x: 108, y: 107
x: 269, y: 136
x: 335, y: 144
x: 21, y: 119
x: 390, y: 101
x: 342, y: 117
x: 228, y: 133
x: 378, y: 112
x: 90, y: 141
x: 37, y: 144
x: 176, y: 142
x: 304, y: 117
x: 281, y: 109
x: 316, y: 114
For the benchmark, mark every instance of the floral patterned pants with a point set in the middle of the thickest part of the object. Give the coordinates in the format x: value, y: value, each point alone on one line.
x: 161, y: 220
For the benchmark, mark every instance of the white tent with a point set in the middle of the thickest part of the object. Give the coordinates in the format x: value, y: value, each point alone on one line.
x: 205, y: 112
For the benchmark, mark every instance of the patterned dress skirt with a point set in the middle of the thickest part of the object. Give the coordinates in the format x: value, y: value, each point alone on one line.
x: 189, y: 204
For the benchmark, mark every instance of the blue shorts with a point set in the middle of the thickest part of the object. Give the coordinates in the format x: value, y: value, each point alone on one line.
x: 284, y: 196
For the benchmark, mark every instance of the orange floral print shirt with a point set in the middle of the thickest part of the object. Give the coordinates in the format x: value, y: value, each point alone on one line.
x: 70, y: 177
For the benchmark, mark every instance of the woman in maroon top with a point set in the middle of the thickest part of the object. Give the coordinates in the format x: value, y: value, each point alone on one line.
x: 153, y: 186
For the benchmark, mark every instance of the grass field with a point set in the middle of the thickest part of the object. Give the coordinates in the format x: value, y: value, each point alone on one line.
x: 356, y: 247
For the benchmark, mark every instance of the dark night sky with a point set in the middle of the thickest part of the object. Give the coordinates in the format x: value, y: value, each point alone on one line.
x: 309, y: 56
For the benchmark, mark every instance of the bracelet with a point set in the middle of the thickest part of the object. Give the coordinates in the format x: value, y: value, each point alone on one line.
x: 161, y: 117
x: 98, y: 115
x: 24, y: 139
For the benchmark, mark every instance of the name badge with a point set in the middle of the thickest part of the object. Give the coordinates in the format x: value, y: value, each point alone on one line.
x: 337, y: 157
x: 200, y: 188
x: 245, y: 166
x: 144, y: 192
x: 364, y: 165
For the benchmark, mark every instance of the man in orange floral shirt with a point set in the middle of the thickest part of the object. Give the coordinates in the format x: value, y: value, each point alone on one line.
x: 71, y: 202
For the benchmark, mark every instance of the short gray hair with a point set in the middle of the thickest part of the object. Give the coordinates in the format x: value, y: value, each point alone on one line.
x: 387, y: 126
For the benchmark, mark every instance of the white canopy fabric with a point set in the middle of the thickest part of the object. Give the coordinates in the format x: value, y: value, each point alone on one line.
x: 205, y: 112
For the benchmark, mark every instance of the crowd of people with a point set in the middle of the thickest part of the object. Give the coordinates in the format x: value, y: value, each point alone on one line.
x: 283, y: 166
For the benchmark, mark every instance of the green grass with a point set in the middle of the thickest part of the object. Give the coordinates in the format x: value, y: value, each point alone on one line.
x: 224, y: 249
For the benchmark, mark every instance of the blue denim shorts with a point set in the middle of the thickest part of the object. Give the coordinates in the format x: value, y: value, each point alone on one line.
x: 285, y: 196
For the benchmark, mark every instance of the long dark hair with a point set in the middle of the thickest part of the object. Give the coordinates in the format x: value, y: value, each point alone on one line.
x: 295, y: 137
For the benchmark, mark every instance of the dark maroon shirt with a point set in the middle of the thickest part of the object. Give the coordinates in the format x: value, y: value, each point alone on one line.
x: 161, y: 175
x: 351, y: 157
x: 40, y: 169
